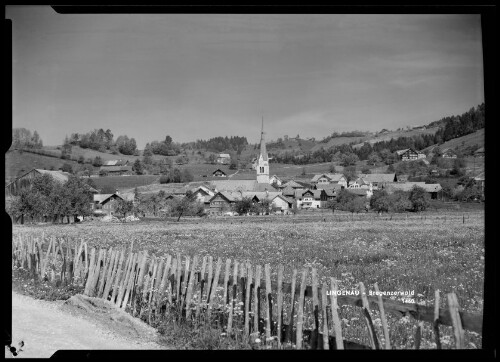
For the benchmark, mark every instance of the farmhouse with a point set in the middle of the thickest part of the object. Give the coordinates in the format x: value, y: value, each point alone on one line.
x: 358, y: 183
x: 307, y: 198
x: 379, y: 180
x: 282, y: 202
x: 25, y: 180
x: 448, y: 153
x: 329, y: 178
x: 409, y: 154
x: 292, y: 184
x: 116, y: 163
x: 433, y: 189
x: 219, y: 173
x: 223, y: 158
x: 105, y: 203
x: 116, y: 170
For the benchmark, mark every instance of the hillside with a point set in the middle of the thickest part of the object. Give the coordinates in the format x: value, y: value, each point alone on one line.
x: 396, y: 134
x: 17, y: 162
x: 476, y: 138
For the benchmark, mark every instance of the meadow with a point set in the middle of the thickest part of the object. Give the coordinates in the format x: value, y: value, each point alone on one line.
x: 440, y: 251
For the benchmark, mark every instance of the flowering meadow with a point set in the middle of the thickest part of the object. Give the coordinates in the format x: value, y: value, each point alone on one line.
x: 413, y: 254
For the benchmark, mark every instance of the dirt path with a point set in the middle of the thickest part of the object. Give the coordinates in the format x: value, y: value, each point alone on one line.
x: 46, y: 327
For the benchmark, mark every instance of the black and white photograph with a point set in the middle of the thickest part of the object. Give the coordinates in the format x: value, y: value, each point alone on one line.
x: 245, y: 181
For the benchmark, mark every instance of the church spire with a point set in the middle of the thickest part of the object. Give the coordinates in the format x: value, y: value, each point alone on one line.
x: 263, y: 151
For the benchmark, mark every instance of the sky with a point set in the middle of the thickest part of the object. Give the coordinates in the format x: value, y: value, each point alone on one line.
x: 197, y: 76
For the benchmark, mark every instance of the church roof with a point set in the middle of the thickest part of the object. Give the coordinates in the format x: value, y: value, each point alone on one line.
x: 263, y: 151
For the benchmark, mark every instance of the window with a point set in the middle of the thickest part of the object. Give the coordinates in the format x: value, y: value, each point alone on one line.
x: 262, y: 170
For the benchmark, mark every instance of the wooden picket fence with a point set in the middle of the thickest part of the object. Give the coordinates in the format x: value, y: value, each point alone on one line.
x: 240, y: 295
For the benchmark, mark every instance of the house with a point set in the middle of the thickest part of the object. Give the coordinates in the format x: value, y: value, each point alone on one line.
x: 329, y: 178
x: 282, y: 202
x: 219, y: 173
x: 409, y: 154
x: 432, y: 189
x: 222, y: 201
x: 105, y: 204
x: 310, y: 199
x: 403, y: 178
x: 480, y: 181
x: 116, y: 170
x: 379, y: 180
x: 25, y: 180
x: 275, y: 180
x: 358, y: 183
x: 223, y: 158
x: 448, y: 153
x: 116, y: 163
x: 479, y: 152
x: 201, y: 193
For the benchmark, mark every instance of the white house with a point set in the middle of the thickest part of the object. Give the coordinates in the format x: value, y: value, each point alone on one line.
x: 282, y: 202
x: 310, y: 199
x: 275, y: 179
x: 223, y: 158
x: 329, y: 178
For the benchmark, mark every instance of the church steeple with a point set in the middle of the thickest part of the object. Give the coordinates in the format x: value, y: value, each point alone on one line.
x: 263, y: 151
x: 263, y: 161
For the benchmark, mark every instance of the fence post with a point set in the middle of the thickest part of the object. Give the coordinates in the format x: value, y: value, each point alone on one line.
x: 324, y: 302
x: 368, y: 318
x: 269, y: 304
x: 300, y: 314
x: 383, y: 318
x: 292, y: 307
x: 247, y: 297
x: 315, y: 333
x: 232, y: 299
x: 436, y: 319
x: 280, y: 303
x: 335, y: 316
x: 457, y: 323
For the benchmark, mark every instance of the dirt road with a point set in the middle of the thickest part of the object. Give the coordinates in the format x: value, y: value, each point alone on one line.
x: 46, y: 327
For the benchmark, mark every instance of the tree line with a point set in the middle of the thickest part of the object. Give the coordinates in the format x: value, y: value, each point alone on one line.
x: 50, y: 200
x: 102, y: 141
x: 220, y: 144
x: 22, y: 138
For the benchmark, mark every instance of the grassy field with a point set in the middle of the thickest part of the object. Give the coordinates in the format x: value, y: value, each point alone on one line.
x: 16, y: 162
x: 438, y: 252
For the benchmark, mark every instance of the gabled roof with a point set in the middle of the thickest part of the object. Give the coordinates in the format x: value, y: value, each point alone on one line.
x: 57, y: 175
x: 129, y: 196
x: 316, y: 193
x: 224, y: 155
x: 101, y: 198
x: 288, y: 191
x: 333, y: 187
x: 115, y: 163
x: 264, y: 187
x: 360, y: 192
x: 378, y: 177
x: 234, y: 185
x: 219, y: 171
x: 400, y: 152
x: 334, y: 177
x: 116, y: 168
x: 292, y: 184
x: 480, y: 150
x: 261, y: 195
x: 284, y: 198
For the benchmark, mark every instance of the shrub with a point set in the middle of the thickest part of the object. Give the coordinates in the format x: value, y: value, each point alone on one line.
x: 419, y: 199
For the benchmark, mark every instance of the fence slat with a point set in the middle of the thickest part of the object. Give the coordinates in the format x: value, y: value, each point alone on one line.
x: 163, y: 284
x: 315, y: 342
x: 458, y: 331
x: 90, y: 270
x: 256, y: 303
x: 209, y: 279
x: 117, y: 276
x: 335, y: 316
x: 247, y: 298
x: 226, y: 282
x: 152, y: 283
x: 279, y: 307
x: 324, y: 302
x: 202, y: 281
x: 131, y: 281
x: 292, y: 307
x: 122, y: 292
x: 232, y: 299
x: 269, y: 309
x: 418, y: 335
x: 178, y: 278
x: 436, y: 319
x: 382, y: 317
x: 187, y: 264
x: 156, y: 291
x: 214, y: 285
x: 300, y: 312
x: 190, y: 286
x: 122, y: 277
x: 105, y: 270
x: 109, y: 278
x: 146, y: 283
x: 171, y: 284
x: 368, y: 317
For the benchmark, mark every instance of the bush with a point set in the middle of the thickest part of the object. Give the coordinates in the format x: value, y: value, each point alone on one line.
x: 66, y: 167
x: 419, y: 199
x: 164, y: 179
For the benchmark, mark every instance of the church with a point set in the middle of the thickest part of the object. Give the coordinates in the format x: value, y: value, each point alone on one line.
x: 262, y: 181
